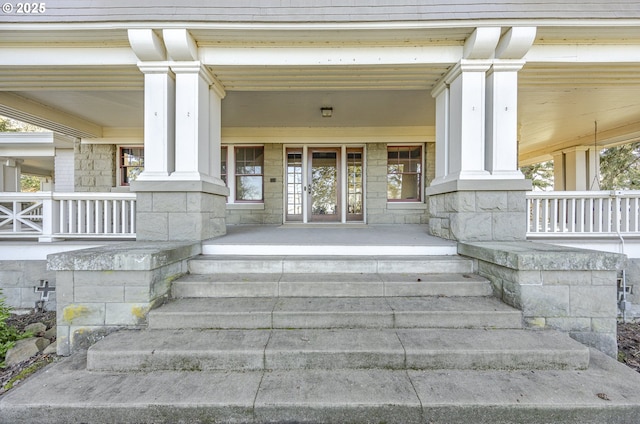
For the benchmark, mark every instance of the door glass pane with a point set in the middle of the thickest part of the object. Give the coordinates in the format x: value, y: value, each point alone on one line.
x: 324, y: 183
x: 294, y: 185
x: 354, y: 184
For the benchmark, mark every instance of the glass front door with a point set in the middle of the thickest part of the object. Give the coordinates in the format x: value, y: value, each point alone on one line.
x: 324, y: 184
x: 323, y: 188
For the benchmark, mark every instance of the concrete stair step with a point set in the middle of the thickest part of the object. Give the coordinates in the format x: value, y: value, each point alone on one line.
x: 329, y: 285
x: 607, y: 392
x: 209, y: 350
x: 347, y: 312
x: 232, y: 264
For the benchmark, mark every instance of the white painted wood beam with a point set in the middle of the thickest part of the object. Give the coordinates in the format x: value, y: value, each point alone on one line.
x: 329, y: 56
x: 66, y: 56
x: 25, y: 110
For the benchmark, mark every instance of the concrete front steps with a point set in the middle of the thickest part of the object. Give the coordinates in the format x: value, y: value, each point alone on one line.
x: 365, y: 341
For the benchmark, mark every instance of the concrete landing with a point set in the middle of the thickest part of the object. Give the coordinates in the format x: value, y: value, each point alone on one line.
x: 65, y: 392
x: 329, y: 239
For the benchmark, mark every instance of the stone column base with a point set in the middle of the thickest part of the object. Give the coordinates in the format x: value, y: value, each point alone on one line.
x: 481, y: 210
x: 180, y: 211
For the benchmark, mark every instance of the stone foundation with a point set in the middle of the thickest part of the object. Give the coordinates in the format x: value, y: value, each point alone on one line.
x: 101, y: 290
x: 556, y: 287
x: 18, y: 280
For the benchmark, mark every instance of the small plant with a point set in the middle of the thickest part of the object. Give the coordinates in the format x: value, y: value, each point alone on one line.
x: 8, y: 335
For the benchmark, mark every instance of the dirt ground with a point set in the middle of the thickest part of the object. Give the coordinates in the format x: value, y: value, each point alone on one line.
x: 628, y: 345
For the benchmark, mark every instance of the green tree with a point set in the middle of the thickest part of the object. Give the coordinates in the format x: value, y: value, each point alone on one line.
x: 11, y: 125
x: 620, y: 167
x: 540, y: 174
x: 29, y: 183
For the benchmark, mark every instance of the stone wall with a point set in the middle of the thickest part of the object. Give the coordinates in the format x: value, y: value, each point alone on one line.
x: 19, y: 278
x: 379, y: 211
x: 271, y: 212
x: 95, y: 167
x: 101, y: 290
x: 556, y: 287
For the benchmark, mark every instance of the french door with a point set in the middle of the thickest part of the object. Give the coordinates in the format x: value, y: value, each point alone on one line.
x: 324, y: 184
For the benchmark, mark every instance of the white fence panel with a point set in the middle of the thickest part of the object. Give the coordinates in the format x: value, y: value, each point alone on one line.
x: 48, y: 216
x: 583, y: 213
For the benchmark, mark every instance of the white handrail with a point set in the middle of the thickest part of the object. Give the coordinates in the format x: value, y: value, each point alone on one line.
x: 583, y: 213
x: 48, y: 216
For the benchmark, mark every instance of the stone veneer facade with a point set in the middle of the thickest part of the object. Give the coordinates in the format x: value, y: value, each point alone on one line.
x: 378, y: 210
x: 95, y: 167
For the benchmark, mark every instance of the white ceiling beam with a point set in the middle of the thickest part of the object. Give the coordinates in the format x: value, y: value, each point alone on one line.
x: 66, y: 56
x: 329, y: 56
x: 580, y: 53
x: 25, y: 110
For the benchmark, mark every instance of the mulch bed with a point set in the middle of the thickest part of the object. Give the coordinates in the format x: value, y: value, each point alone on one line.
x: 629, y: 344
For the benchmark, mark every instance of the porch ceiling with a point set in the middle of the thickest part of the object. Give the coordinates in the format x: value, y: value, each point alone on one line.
x: 559, y: 101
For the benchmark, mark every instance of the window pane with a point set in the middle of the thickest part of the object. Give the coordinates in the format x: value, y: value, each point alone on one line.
x: 248, y: 188
x: 249, y: 160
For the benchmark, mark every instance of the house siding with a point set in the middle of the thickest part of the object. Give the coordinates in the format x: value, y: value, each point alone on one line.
x: 324, y: 10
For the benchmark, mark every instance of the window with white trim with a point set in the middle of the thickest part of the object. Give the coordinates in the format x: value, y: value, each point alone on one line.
x: 242, y: 169
x: 404, y: 173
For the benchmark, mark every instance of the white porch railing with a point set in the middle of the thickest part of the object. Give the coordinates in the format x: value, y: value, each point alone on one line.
x: 48, y: 216
x: 583, y: 214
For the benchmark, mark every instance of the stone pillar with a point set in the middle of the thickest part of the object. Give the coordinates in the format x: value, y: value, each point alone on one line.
x: 104, y: 289
x: 562, y: 288
x: 179, y: 195
x: 478, y: 192
x: 579, y: 169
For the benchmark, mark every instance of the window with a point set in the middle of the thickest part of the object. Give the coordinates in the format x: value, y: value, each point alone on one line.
x: 404, y: 173
x: 249, y: 172
x: 223, y: 164
x: 131, y: 164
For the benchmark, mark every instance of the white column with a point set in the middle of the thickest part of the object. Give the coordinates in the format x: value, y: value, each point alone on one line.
x: 467, y: 121
x: 575, y: 160
x: 581, y: 169
x: 441, y: 94
x: 558, y: 171
x: 159, y: 122
x: 198, y: 124
x: 502, y: 121
x: 159, y: 104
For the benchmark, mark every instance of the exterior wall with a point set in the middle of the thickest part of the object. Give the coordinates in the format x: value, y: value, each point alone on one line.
x: 378, y: 210
x: 567, y: 289
x: 272, y: 212
x: 95, y: 167
x: 64, y: 171
x: 19, y: 278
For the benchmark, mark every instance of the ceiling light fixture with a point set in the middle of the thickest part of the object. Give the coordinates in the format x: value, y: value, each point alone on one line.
x: 327, y: 112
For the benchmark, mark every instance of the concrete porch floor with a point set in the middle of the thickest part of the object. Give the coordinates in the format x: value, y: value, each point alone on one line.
x: 329, y: 239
